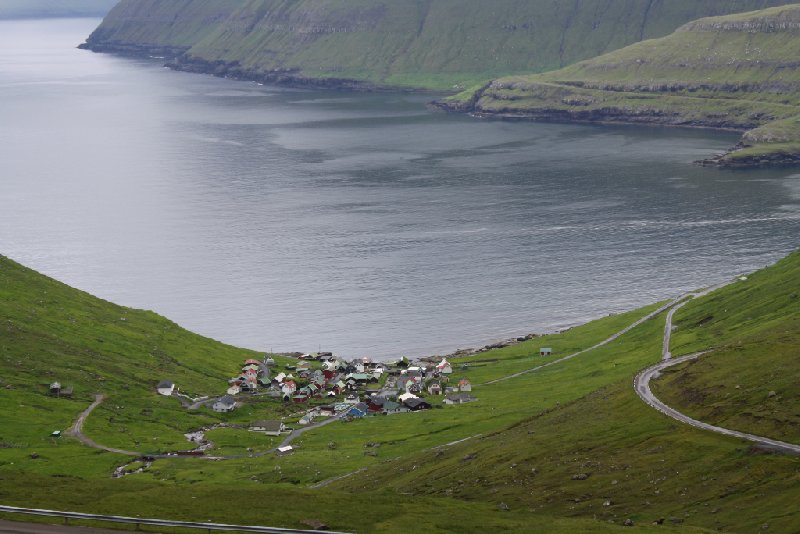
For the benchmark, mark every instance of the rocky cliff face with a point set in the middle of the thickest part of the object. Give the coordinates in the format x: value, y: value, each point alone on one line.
x: 438, y: 44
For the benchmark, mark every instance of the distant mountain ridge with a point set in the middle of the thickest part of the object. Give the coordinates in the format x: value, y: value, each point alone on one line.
x: 16, y: 9
x: 435, y: 44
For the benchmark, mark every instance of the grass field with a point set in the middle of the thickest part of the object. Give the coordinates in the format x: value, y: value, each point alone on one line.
x: 505, y: 462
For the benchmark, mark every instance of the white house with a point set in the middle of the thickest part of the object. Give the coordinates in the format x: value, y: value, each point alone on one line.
x: 289, y: 387
x: 224, y: 404
x: 165, y: 387
x: 444, y: 367
x: 405, y: 396
x: 234, y: 390
x: 464, y: 385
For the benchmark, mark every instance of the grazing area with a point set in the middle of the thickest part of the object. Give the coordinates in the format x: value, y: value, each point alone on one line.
x: 733, y: 72
x: 749, y: 382
x: 568, y: 447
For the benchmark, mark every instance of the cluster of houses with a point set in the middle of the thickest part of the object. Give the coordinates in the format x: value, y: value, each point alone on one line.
x: 352, y: 389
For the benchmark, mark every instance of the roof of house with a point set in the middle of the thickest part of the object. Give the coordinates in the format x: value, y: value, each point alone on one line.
x: 390, y: 405
x: 269, y: 426
x: 461, y: 397
x: 413, y: 403
x: 227, y: 399
x: 162, y: 384
x: 358, y: 376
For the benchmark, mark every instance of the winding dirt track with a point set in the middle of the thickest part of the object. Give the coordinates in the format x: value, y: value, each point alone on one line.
x: 76, y: 430
x: 642, y: 386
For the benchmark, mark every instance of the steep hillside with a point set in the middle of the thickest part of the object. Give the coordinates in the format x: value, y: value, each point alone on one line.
x: 749, y: 382
x: 609, y: 456
x: 736, y: 72
x: 53, y: 333
x: 437, y: 44
x: 556, y: 446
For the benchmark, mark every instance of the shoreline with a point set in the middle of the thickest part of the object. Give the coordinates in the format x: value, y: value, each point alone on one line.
x: 176, y: 59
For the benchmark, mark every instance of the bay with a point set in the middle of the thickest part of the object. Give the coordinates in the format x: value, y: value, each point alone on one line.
x: 364, y: 224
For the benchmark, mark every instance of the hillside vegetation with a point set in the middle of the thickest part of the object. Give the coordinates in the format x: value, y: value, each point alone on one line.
x: 609, y: 456
x: 513, y: 460
x: 737, y: 72
x: 435, y: 44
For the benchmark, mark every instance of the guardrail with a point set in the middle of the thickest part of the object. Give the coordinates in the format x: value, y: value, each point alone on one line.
x: 139, y: 522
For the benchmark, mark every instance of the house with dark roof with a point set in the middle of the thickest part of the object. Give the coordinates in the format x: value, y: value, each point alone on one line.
x: 417, y: 404
x: 391, y: 407
x: 270, y: 428
x: 460, y: 398
x: 224, y: 404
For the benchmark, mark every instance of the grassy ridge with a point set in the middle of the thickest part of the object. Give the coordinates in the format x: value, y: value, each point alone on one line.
x: 435, y: 44
x: 737, y: 71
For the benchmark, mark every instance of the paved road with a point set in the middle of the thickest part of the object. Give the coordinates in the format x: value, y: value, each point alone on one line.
x: 642, y: 386
x: 300, y: 431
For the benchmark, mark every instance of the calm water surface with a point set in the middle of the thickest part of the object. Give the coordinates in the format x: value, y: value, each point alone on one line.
x: 363, y: 224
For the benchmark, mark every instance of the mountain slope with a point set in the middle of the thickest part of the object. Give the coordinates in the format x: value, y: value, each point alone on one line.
x: 609, y: 456
x: 418, y: 43
x: 737, y: 72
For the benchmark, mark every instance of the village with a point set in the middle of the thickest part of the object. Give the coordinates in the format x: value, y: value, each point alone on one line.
x: 323, y: 386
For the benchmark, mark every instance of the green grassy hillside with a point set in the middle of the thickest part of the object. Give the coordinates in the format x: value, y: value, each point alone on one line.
x: 737, y: 71
x: 504, y: 462
x: 639, y: 464
x: 750, y: 382
x: 51, y: 332
x: 437, y: 44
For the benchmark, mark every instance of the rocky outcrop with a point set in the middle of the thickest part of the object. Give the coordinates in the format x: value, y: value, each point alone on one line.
x: 732, y: 160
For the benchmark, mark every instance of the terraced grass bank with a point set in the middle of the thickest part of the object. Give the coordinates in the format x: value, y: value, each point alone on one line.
x: 737, y: 72
x: 430, y: 44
